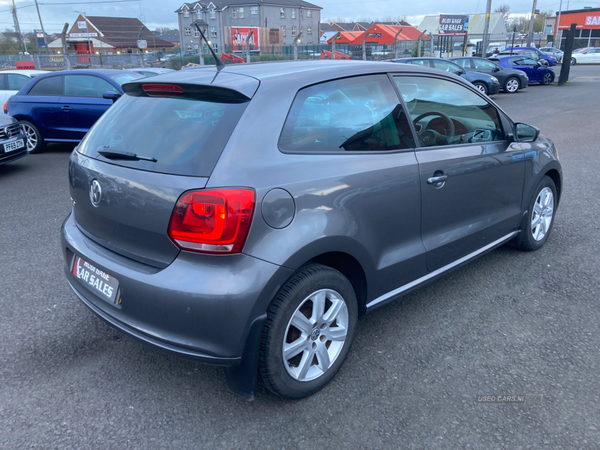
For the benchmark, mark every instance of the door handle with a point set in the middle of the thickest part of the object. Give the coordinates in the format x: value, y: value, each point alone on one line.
x: 437, y: 180
x: 66, y: 108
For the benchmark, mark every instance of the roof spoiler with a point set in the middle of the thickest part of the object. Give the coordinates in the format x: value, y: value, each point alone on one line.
x: 207, y: 93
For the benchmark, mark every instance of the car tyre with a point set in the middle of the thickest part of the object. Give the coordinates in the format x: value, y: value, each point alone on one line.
x: 308, y: 333
x: 540, y: 216
x: 573, y: 61
x: 547, y: 79
x: 481, y: 87
x: 35, y: 142
x: 511, y: 85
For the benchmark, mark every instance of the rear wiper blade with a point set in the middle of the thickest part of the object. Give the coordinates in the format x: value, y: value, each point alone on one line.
x: 120, y: 154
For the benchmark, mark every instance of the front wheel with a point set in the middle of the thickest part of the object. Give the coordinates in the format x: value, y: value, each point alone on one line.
x: 35, y: 141
x: 547, y: 79
x: 308, y: 333
x: 540, y: 218
x: 511, y: 85
x: 481, y: 87
x: 573, y: 61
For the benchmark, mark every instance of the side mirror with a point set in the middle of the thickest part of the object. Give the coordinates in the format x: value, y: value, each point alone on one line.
x: 111, y: 95
x: 526, y: 133
x: 462, y: 72
x: 496, y: 69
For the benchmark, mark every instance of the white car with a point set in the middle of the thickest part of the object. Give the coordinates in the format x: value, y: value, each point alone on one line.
x: 13, y: 80
x: 587, y: 56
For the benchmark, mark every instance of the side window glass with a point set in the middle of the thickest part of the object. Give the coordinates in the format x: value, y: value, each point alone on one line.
x: 484, y: 65
x: 351, y: 114
x: 2, y: 81
x: 443, y: 65
x: 86, y: 86
x: 418, y: 62
x: 446, y: 113
x: 464, y: 63
x: 16, y: 82
x: 50, y: 86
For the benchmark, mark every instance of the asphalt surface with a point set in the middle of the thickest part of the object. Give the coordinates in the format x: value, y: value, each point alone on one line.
x: 510, y: 323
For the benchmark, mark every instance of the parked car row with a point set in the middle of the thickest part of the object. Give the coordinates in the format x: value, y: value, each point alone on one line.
x: 509, y: 73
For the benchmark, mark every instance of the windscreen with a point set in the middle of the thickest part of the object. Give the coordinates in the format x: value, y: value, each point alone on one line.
x: 185, y: 136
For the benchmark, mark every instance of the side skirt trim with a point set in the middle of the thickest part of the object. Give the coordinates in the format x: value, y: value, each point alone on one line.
x: 441, y: 270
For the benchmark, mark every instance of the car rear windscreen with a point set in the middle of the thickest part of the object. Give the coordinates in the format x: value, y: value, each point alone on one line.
x: 185, y: 136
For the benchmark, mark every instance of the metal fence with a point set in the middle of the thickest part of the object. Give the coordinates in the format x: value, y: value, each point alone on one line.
x: 77, y: 61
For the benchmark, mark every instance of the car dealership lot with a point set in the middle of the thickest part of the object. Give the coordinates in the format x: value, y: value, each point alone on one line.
x: 510, y: 323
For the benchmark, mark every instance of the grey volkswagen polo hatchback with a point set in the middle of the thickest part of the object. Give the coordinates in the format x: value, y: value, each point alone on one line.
x: 248, y: 217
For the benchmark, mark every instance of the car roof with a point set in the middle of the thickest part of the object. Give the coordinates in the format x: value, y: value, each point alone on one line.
x: 105, y: 72
x: 295, y: 75
x: 26, y: 72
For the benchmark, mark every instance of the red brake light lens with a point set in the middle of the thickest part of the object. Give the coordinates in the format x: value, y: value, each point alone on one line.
x: 212, y: 221
x: 6, y: 108
x: 163, y: 90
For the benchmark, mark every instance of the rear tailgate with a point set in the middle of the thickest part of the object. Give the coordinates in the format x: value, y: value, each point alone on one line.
x: 158, y: 141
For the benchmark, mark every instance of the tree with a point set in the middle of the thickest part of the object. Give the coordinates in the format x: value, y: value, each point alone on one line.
x: 504, y: 9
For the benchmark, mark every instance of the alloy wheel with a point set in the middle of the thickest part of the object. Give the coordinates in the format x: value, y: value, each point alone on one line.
x: 32, y: 138
x: 512, y: 85
x: 543, y: 211
x: 315, y: 335
x: 481, y: 88
x: 547, y: 79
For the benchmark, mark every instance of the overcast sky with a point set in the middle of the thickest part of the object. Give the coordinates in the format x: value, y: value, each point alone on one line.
x: 161, y: 12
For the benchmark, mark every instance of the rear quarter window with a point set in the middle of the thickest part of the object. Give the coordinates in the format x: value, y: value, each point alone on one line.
x: 50, y: 86
x: 352, y: 114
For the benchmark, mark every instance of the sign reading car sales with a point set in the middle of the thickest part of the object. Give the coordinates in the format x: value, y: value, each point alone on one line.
x: 240, y: 35
x: 592, y: 20
x: 453, y: 25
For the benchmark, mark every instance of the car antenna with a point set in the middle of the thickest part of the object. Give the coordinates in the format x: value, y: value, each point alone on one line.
x: 220, y: 64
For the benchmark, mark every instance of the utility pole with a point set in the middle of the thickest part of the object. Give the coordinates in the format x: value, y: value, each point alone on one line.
x: 531, y: 24
x: 296, y: 40
x: 63, y: 38
x: 17, y: 27
x: 40, y: 17
x: 556, y: 29
x: 332, y: 44
x: 248, y: 58
x: 141, y: 49
x: 486, y: 29
x: 396, y: 42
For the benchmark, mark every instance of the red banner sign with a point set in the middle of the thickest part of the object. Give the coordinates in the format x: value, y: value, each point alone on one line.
x: 239, y: 36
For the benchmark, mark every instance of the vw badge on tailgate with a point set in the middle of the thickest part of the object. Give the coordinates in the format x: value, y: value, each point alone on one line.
x: 95, y: 193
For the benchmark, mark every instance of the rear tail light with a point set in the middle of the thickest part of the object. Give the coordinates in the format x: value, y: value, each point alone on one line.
x: 163, y: 90
x: 6, y: 108
x: 212, y: 221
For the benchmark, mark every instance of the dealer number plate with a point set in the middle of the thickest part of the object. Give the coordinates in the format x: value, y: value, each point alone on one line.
x: 99, y: 282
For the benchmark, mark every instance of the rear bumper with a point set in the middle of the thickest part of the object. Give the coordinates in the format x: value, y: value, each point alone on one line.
x: 200, y: 307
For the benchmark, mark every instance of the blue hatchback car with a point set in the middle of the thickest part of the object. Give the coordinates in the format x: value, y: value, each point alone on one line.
x: 63, y: 106
x: 536, y: 72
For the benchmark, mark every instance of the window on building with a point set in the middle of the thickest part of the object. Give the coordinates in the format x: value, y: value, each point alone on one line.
x: 308, y: 30
x: 293, y: 13
x: 254, y: 10
x: 195, y: 46
x: 186, y: 14
x: 308, y: 14
x: 283, y: 29
x: 301, y: 14
x: 215, y: 47
x: 240, y: 13
x: 213, y: 13
x: 188, y: 47
x: 234, y: 13
x: 213, y: 32
x: 282, y: 13
x: 188, y: 32
x: 293, y: 31
x: 196, y: 33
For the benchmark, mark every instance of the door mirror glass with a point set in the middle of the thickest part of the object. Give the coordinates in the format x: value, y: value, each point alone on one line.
x: 111, y: 95
x: 526, y: 133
